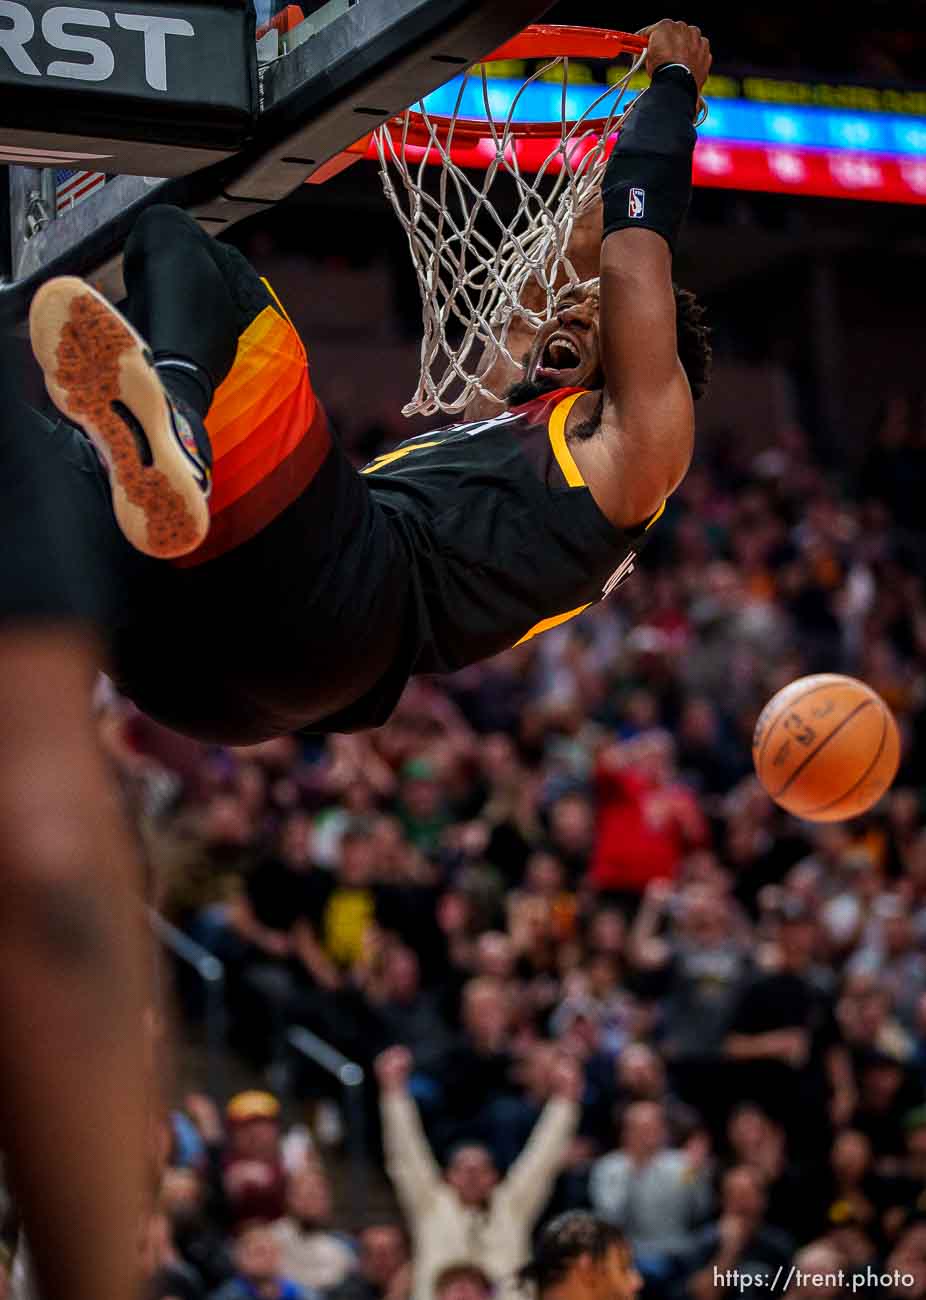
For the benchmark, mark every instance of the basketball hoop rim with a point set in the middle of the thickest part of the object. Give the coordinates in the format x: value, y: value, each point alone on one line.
x: 539, y: 41
x: 472, y: 261
x: 561, y: 40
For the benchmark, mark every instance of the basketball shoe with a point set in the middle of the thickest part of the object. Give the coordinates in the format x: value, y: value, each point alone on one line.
x: 100, y: 374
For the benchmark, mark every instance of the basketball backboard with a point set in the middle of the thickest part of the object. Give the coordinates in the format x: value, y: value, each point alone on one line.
x: 171, y: 102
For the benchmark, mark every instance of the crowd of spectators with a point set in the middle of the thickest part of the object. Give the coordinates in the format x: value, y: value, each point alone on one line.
x: 580, y: 955
x: 551, y: 912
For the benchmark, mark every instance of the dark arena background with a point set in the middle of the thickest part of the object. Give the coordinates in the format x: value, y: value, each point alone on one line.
x: 554, y: 878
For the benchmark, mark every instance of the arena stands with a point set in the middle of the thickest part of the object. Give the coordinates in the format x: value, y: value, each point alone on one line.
x: 563, y: 855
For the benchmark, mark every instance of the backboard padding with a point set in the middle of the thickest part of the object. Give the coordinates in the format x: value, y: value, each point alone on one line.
x: 372, y: 61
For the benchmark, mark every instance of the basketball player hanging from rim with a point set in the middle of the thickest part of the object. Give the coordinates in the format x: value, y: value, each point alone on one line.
x: 318, y: 590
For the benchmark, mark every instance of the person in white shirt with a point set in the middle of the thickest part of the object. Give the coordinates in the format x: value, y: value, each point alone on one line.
x: 466, y: 1214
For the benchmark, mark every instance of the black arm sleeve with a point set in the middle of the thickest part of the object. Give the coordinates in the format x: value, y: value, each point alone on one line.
x: 647, y: 182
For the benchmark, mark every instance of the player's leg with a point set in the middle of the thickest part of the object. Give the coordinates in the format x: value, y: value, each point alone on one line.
x: 203, y: 337
x: 114, y: 380
x: 291, y: 599
x: 141, y: 384
x: 72, y: 1084
x: 191, y: 298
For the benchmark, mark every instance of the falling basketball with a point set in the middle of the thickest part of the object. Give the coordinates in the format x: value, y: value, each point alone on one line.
x: 826, y: 747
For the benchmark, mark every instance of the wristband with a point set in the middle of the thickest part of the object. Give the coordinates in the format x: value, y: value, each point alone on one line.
x: 684, y: 77
x: 647, y: 181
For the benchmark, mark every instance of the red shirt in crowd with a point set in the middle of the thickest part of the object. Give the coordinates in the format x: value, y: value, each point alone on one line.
x: 645, y: 827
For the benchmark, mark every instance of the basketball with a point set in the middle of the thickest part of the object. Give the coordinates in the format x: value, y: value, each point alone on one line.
x: 826, y: 747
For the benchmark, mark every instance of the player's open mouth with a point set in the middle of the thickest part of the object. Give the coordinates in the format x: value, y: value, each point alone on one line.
x: 560, y: 359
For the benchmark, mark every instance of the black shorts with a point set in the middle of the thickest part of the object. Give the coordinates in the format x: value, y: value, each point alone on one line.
x: 300, y: 628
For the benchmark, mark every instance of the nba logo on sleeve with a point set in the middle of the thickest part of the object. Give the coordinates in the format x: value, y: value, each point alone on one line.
x: 635, y: 207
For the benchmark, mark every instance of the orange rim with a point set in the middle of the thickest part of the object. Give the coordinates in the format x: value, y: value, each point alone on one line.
x: 539, y: 41
x: 471, y: 131
x: 559, y: 40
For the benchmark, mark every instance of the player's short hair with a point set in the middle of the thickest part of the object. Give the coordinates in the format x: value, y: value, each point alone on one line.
x: 564, y: 1241
x: 694, y: 341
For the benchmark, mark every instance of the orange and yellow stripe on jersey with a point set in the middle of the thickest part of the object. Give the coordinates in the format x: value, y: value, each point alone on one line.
x: 268, y: 432
x: 556, y: 429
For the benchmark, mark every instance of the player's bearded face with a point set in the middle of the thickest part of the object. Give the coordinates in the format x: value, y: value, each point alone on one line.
x: 565, y: 352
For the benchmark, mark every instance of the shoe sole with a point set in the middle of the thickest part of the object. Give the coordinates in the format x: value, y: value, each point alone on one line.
x: 100, y: 374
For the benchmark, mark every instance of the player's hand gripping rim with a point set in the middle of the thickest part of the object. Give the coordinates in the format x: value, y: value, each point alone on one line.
x: 675, y: 42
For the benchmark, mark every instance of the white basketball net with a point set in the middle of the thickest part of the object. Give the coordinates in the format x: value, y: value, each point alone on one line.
x: 472, y: 283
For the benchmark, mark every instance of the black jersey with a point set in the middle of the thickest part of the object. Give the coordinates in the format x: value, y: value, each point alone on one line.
x: 457, y: 545
x: 501, y: 538
x: 508, y: 540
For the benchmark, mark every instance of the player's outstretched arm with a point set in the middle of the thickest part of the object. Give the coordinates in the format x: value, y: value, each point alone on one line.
x: 647, y: 414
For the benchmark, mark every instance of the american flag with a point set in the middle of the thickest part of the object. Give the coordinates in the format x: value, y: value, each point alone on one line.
x: 75, y: 186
